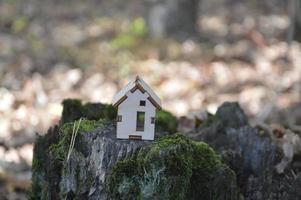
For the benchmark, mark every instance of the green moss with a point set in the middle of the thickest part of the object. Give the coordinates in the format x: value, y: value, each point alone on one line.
x: 55, y: 153
x: 39, y: 187
x: 172, y: 141
x: 109, y: 112
x: 125, y: 173
x: 172, y: 153
x: 35, y: 191
x: 59, y: 150
x: 73, y: 110
x: 173, y: 167
x: 85, y: 125
x: 166, y: 122
x: 205, y: 157
x: 50, y: 151
x: 205, y: 163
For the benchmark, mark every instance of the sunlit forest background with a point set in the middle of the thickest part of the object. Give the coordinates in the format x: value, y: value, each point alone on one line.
x: 195, y: 54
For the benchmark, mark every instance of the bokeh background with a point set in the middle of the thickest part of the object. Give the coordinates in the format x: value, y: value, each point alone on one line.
x: 195, y: 54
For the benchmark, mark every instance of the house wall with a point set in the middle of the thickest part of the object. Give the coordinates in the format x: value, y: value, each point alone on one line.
x: 128, y: 110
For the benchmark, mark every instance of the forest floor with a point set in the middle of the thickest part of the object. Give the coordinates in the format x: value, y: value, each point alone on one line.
x: 49, y: 52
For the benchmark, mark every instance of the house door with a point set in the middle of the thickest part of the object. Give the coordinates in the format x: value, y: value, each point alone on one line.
x: 140, y: 121
x: 135, y: 137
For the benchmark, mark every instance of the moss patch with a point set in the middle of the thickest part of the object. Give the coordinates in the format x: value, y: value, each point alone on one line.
x: 73, y: 109
x: 40, y: 189
x: 124, y: 180
x: 173, y: 167
x: 50, y: 152
x: 166, y: 122
x: 59, y: 150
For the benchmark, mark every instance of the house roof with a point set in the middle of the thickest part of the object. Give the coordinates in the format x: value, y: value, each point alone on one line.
x: 137, y: 83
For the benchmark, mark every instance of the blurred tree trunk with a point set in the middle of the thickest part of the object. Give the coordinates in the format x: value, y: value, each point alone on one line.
x: 294, y: 10
x: 175, y: 18
x: 298, y: 20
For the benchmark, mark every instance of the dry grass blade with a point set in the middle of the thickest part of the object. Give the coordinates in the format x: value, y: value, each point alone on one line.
x: 73, y: 137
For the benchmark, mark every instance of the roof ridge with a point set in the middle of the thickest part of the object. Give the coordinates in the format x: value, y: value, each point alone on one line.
x: 137, y: 81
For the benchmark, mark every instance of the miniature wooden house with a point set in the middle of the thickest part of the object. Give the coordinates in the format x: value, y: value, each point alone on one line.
x: 137, y: 105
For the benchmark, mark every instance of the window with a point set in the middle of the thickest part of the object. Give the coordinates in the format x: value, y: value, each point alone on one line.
x: 142, y: 103
x: 119, y: 118
x: 140, y: 121
x: 152, y: 120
